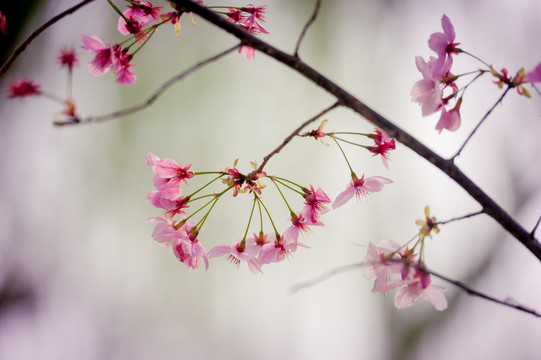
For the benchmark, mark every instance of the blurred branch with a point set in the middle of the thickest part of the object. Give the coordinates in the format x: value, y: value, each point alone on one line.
x: 489, y: 206
x: 154, y: 96
x: 467, y: 216
x: 458, y: 284
x: 308, y: 24
x: 18, y: 51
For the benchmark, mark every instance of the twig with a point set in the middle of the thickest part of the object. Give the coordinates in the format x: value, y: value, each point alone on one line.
x: 36, y: 33
x: 460, y: 218
x: 305, y: 29
x: 480, y: 122
x: 532, y: 234
x: 288, y: 139
x: 348, y: 100
x: 458, y: 284
x: 156, y: 94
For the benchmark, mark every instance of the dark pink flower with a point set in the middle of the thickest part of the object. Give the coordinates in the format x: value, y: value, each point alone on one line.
x: 3, y: 24
x: 139, y: 16
x: 241, y: 251
x: 360, y: 187
x: 316, y: 204
x: 121, y: 65
x: 103, y: 60
x: 383, y: 143
x: 256, y: 13
x: 23, y: 88
x: 68, y: 58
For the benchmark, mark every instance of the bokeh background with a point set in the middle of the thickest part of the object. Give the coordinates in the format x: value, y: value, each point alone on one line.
x: 81, y: 277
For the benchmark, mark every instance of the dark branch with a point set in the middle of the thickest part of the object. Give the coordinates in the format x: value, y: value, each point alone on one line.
x: 345, y: 98
x: 36, y: 33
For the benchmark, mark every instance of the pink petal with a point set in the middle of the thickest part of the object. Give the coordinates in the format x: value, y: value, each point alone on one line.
x: 435, y: 296
x: 219, y: 250
x: 344, y: 197
x: 92, y: 43
x: 376, y: 183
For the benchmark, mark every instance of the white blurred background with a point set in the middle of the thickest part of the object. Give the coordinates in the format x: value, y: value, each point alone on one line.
x: 83, y: 278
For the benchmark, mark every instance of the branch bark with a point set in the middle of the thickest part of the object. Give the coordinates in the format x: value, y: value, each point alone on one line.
x: 489, y: 206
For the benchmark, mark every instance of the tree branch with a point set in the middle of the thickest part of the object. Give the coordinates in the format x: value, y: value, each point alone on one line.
x: 18, y: 51
x: 489, y: 206
x: 305, y: 29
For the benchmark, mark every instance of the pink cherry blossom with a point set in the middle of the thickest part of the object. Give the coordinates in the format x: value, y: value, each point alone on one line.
x: 121, y: 66
x: 168, y: 176
x: 443, y: 43
x: 383, y: 143
x: 241, y: 251
x: 535, y: 75
x: 278, y: 248
x: 450, y: 120
x: 419, y: 286
x: 256, y: 13
x: 165, y: 231
x: 68, y: 58
x: 191, y: 253
x: 378, y: 265
x: 315, y: 201
x: 360, y: 187
x: 428, y: 91
x: 171, y: 207
x: 103, y: 60
x: 23, y: 88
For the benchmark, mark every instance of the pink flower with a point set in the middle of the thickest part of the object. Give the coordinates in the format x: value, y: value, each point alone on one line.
x: 256, y: 13
x: 450, y: 120
x: 121, y: 66
x: 315, y: 201
x: 240, y: 251
x: 535, y: 75
x: 443, y: 43
x: 418, y: 285
x: 171, y: 207
x: 103, y: 60
x: 23, y: 88
x: 168, y: 175
x: 378, y: 265
x: 68, y: 58
x: 165, y: 231
x: 3, y: 24
x: 428, y: 91
x: 278, y: 250
x: 248, y: 51
x: 383, y: 143
x: 139, y: 16
x: 191, y: 253
x: 360, y: 187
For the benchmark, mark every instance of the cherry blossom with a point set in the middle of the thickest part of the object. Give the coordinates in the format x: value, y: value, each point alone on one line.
x: 383, y: 143
x: 315, y: 201
x: 360, y: 187
x: 443, y: 44
x: 377, y: 265
x: 103, y: 60
x: 168, y: 176
x: 241, y: 251
x: 191, y: 253
x: 450, y: 120
x: 428, y: 91
x: 23, y: 88
x: 68, y: 58
x: 278, y: 248
x: 418, y: 285
x: 171, y: 207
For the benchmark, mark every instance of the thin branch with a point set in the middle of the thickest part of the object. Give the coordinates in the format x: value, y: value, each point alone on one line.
x: 288, y: 139
x: 480, y: 122
x: 308, y: 24
x: 458, y: 284
x: 37, y: 32
x: 460, y: 218
x: 155, y: 95
x: 532, y: 234
x: 346, y: 99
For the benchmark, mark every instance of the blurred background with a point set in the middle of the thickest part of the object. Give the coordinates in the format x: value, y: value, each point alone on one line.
x: 81, y: 277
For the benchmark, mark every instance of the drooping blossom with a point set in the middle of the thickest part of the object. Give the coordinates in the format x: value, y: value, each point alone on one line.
x: 165, y: 231
x: 250, y: 18
x: 240, y: 251
x: 23, y: 88
x: 107, y: 57
x: 360, y: 187
x: 187, y: 247
x: 299, y: 226
x: 3, y: 24
x: 68, y: 58
x: 419, y: 285
x: 535, y: 75
x: 315, y: 204
x: 278, y: 248
x: 173, y: 18
x: 428, y: 91
x: 171, y: 207
x: 383, y: 143
x: 380, y: 262
x: 256, y: 13
x: 168, y: 176
x: 450, y: 120
x: 139, y: 16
